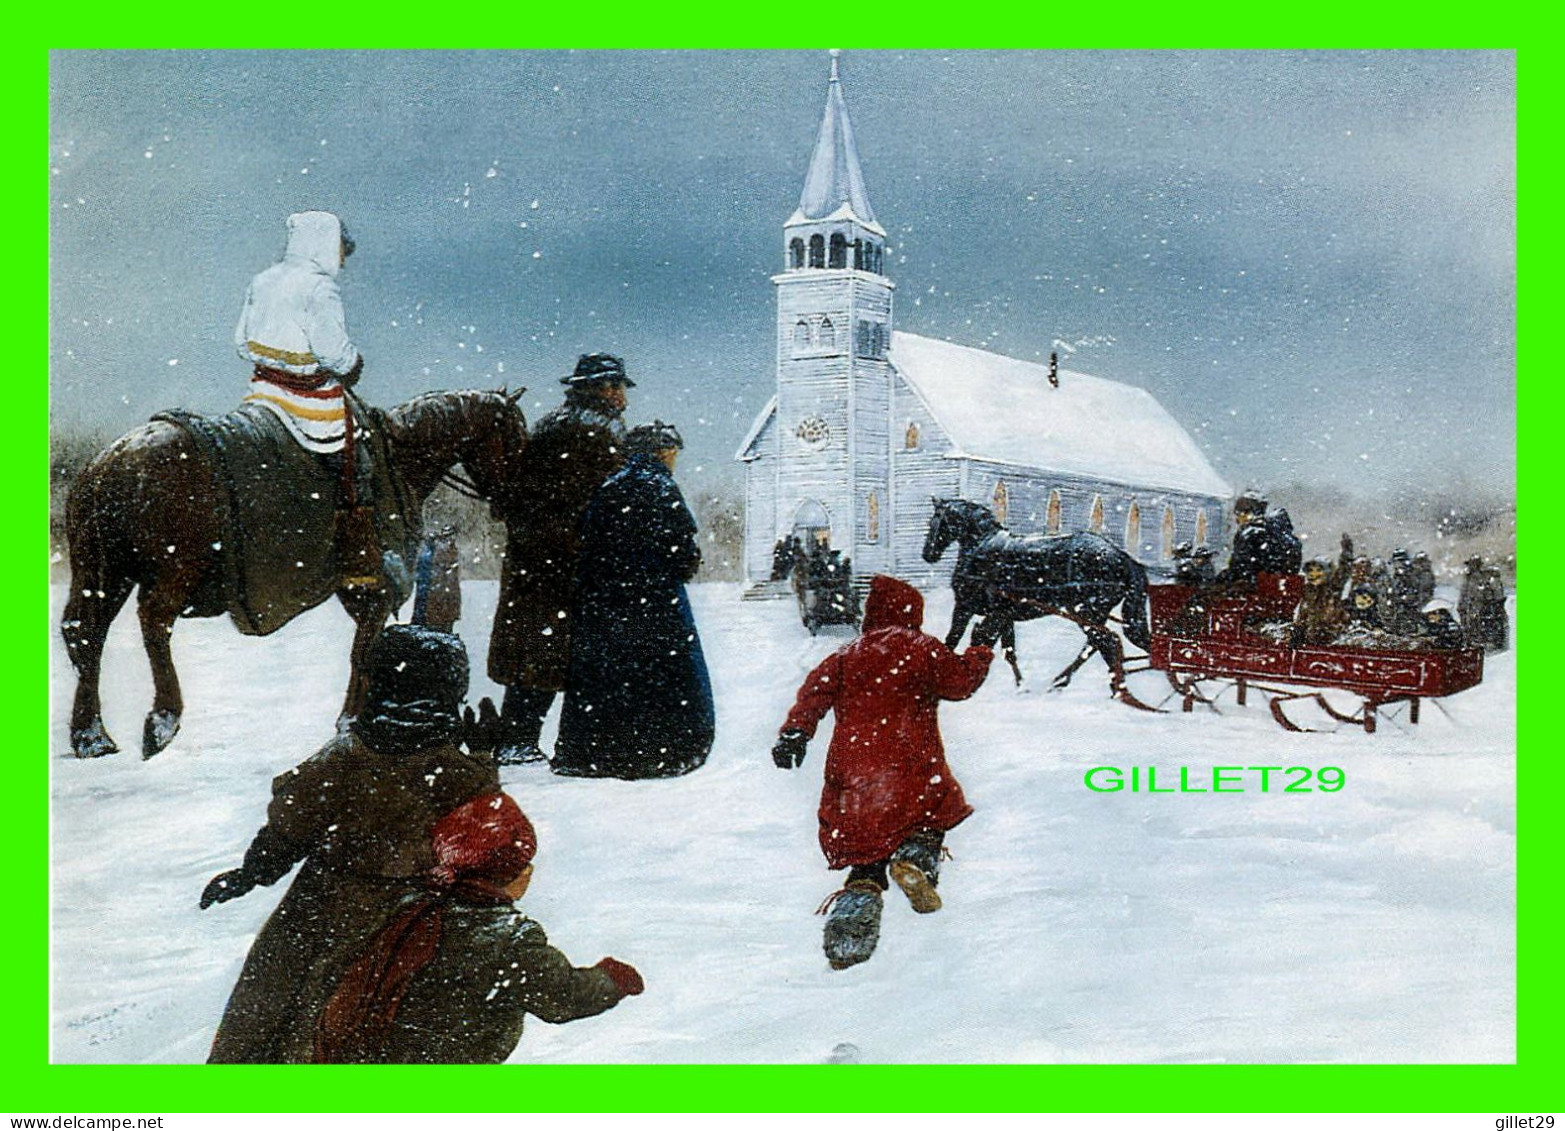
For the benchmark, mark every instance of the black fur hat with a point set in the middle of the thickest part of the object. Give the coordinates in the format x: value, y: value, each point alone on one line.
x: 412, y: 663
x: 653, y: 438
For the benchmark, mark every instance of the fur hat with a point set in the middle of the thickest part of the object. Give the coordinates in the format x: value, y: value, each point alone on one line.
x: 653, y: 438
x: 413, y: 662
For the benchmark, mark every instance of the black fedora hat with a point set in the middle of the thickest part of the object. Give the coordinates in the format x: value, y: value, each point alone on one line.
x: 599, y: 369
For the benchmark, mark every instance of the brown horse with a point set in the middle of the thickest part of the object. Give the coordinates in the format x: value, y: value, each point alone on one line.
x: 150, y: 510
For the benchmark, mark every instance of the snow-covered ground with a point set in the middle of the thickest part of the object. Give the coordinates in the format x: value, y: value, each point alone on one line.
x: 1375, y: 924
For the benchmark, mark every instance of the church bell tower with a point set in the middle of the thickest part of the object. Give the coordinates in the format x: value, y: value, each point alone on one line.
x: 833, y: 333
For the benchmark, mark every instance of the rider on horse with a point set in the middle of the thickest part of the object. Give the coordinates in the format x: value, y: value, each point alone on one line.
x: 293, y: 331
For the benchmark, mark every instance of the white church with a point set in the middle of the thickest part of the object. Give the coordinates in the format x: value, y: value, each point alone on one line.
x: 869, y: 423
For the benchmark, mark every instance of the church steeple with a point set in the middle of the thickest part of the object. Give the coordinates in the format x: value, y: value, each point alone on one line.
x: 835, y: 180
x: 834, y: 226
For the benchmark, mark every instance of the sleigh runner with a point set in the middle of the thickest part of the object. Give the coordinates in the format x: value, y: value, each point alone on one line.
x: 1199, y: 638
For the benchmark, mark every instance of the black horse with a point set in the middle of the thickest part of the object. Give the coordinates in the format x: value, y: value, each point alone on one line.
x: 1005, y: 578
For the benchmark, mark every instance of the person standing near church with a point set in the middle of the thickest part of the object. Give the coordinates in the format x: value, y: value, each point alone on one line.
x: 571, y: 452
x: 638, y: 698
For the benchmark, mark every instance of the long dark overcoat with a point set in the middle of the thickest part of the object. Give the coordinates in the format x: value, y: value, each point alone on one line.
x: 638, y: 699
x: 361, y: 822
x: 571, y: 452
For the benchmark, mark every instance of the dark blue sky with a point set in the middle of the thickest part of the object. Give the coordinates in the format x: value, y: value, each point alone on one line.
x: 1308, y: 258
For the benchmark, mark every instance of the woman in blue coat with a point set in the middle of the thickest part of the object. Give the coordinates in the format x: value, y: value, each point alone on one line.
x: 638, y: 700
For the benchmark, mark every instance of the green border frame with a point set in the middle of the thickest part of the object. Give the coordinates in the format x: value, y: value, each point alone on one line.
x: 33, y: 1085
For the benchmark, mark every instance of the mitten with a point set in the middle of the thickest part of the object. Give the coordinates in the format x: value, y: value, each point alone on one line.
x: 481, y: 732
x: 624, y: 975
x: 788, y: 753
x: 225, y: 886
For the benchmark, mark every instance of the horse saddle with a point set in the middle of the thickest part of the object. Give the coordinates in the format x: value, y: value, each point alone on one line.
x: 278, y: 513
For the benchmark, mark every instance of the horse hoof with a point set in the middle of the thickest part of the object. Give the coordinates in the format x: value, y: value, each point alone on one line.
x: 159, y: 731
x: 92, y: 741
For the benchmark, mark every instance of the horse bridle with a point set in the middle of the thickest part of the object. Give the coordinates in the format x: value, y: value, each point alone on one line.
x: 462, y: 484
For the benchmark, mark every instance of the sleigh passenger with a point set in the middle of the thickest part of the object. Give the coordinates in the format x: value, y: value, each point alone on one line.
x: 1264, y: 542
x: 1320, y: 616
x: 889, y: 796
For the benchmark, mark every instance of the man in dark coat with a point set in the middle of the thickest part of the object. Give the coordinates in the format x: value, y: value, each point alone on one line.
x: 638, y: 699
x: 1263, y: 543
x: 359, y: 814
x: 571, y: 452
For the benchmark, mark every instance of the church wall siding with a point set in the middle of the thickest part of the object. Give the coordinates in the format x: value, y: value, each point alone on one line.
x: 920, y: 474
x: 760, y: 505
x: 871, y: 475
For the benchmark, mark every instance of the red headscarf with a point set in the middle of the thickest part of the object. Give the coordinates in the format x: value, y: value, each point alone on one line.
x: 478, y: 846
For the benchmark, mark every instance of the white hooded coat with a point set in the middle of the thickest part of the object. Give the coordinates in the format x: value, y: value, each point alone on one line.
x: 293, y: 324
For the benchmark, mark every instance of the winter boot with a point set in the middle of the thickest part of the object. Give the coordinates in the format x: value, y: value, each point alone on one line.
x: 852, y: 924
x: 915, y: 866
x: 521, y: 715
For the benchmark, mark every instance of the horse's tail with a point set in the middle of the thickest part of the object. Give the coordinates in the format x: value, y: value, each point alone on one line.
x: 1134, y: 608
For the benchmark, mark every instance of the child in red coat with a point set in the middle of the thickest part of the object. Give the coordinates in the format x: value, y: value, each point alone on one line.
x: 889, y: 796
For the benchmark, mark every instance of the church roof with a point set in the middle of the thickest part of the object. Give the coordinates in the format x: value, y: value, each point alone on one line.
x: 835, y: 180
x: 1004, y: 410
x: 745, y: 448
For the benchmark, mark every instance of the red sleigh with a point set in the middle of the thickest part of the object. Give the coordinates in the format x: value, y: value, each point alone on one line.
x: 1221, y: 639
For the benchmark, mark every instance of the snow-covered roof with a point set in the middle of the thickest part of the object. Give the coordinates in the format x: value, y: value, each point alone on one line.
x: 754, y: 434
x: 835, y: 178
x: 1001, y: 409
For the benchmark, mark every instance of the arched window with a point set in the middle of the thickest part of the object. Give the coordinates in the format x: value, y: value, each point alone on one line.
x: 839, y: 251
x: 912, y: 435
x: 1096, y: 526
x: 1133, y: 528
x: 817, y: 250
x: 879, y: 260
x: 828, y: 338
x: 801, y: 336
x: 858, y: 255
x: 1002, y: 501
x: 1169, y: 533
x: 872, y: 518
x: 796, y: 253
x: 1054, y: 511
x: 1200, y: 527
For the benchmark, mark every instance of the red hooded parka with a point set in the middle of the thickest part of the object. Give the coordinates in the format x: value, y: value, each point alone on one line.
x: 886, y: 772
